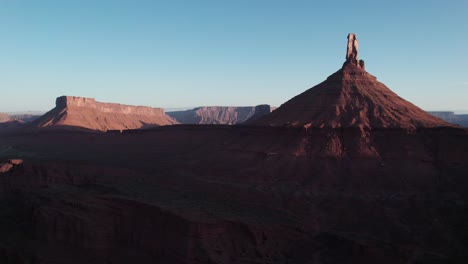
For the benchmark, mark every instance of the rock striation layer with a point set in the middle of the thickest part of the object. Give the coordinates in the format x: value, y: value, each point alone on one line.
x: 72, y: 111
x: 351, y: 97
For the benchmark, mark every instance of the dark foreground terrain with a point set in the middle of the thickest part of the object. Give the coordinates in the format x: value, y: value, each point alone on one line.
x: 220, y: 194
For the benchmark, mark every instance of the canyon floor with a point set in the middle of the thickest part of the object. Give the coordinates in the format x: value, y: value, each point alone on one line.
x: 234, y: 194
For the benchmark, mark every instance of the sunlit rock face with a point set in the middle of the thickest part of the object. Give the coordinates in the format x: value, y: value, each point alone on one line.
x: 351, y: 97
x: 81, y: 112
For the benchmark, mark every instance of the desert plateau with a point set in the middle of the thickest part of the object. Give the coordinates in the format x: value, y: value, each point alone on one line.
x: 346, y: 172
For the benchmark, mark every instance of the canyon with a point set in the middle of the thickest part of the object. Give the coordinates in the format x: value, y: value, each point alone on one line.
x: 346, y: 172
x: 223, y: 194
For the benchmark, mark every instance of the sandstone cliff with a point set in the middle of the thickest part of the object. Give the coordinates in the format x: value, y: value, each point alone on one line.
x: 221, y: 115
x: 80, y: 112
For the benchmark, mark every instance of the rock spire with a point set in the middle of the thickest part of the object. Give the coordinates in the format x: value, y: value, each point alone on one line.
x: 352, y: 51
x: 350, y: 97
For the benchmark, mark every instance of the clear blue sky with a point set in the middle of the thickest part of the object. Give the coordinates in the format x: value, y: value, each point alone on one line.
x: 212, y: 52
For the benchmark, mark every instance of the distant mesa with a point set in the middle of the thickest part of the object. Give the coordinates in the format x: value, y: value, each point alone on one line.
x: 7, y: 123
x: 19, y: 117
x: 25, y: 118
x: 87, y: 113
x: 4, y: 117
x: 220, y: 115
x: 350, y: 97
x: 451, y: 117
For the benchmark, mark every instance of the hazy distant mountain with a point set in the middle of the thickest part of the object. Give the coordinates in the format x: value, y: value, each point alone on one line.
x: 4, y: 117
x: 449, y: 116
x: 228, y: 115
x: 25, y: 117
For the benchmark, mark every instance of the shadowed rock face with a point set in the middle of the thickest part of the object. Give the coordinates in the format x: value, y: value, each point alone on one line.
x: 220, y: 115
x: 224, y: 194
x: 316, y: 189
x: 260, y: 111
x: 87, y: 113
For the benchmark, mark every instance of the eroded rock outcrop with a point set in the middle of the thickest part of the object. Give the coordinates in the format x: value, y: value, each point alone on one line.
x: 220, y: 115
x: 87, y: 113
x: 352, y: 50
x: 243, y: 194
x: 351, y: 97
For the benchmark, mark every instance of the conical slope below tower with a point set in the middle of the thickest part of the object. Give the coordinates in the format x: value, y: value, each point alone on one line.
x: 351, y: 97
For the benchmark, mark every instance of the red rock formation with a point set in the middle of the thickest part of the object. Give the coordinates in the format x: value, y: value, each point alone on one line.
x: 220, y: 115
x: 352, y: 50
x: 86, y: 113
x: 350, y: 97
x: 244, y: 194
x: 222, y: 194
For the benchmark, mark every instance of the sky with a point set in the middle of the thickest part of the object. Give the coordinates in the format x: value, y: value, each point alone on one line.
x: 176, y: 54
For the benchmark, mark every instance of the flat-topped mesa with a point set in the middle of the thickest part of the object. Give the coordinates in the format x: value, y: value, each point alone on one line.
x: 82, y: 112
x: 75, y: 101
